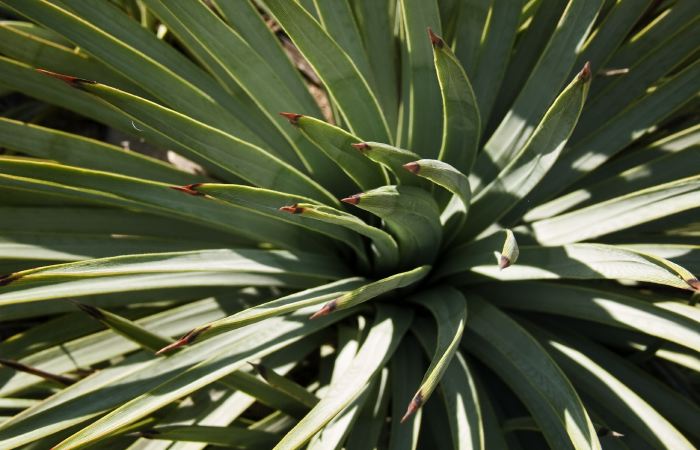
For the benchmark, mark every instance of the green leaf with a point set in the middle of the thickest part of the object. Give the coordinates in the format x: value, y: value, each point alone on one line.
x: 443, y: 174
x: 283, y: 305
x: 384, y: 335
x: 406, y: 368
x: 346, y: 85
x: 134, y: 52
x: 469, y: 28
x: 411, y: 215
x: 619, y: 399
x: 337, y: 144
x: 667, y: 163
x: 127, y: 328
x: 532, y: 163
x: 366, y: 432
x: 20, y: 41
x: 198, y: 26
x: 390, y: 157
x: 526, y: 367
x: 459, y: 394
x: 375, y: 289
x: 80, y: 151
x: 215, y: 363
x: 422, y: 102
x: 496, y: 41
x: 287, y: 386
x: 551, y: 71
x: 230, y: 437
x: 376, y: 23
x: 621, y: 310
x: 620, y: 213
x: 239, y: 158
x: 613, y: 136
x: 460, y: 111
x: 152, y: 197
x: 269, y: 203
x: 572, y: 261
x: 450, y: 314
x: 384, y: 247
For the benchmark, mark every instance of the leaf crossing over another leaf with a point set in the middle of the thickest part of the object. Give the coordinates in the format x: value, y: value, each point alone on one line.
x: 460, y: 110
x: 385, y: 333
x: 287, y: 386
x: 127, y: 328
x: 337, y: 144
x: 240, y: 158
x: 625, y: 310
x: 195, y: 368
x: 372, y: 290
x: 390, y: 157
x: 572, y: 261
x: 346, y: 85
x: 411, y: 215
x: 449, y: 309
x: 620, y: 213
x: 384, y: 247
x: 552, y: 70
x: 455, y: 213
x: 533, y: 161
x: 622, y: 401
x: 283, y: 305
x: 517, y: 358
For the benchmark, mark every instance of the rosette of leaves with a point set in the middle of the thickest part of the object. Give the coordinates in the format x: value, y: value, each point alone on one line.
x: 475, y: 225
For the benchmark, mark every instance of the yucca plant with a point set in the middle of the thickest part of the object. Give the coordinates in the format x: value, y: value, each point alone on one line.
x: 510, y: 263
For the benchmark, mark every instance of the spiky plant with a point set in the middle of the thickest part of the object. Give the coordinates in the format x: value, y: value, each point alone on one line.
x: 507, y: 268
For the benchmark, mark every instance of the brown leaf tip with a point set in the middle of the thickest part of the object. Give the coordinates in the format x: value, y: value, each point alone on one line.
x: 94, y: 312
x: 70, y: 80
x: 694, y: 283
x: 504, y: 262
x: 184, y: 340
x: 7, y: 279
x: 189, y: 189
x: 361, y: 146
x: 435, y: 39
x: 416, y: 403
x: 585, y: 73
x: 293, y: 209
x: 412, y: 167
x: 325, y: 310
x: 293, y: 118
x: 353, y: 199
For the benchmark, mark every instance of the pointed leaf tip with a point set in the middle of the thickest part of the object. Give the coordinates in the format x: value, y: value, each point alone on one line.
x: 503, y: 263
x: 435, y: 39
x: 292, y: 117
x: 353, y: 199
x: 585, y: 73
x: 416, y: 403
x: 70, y: 80
x: 325, y: 310
x: 694, y: 283
x: 184, y: 340
x: 361, y: 146
x: 292, y: 209
x: 188, y: 189
x: 412, y: 167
